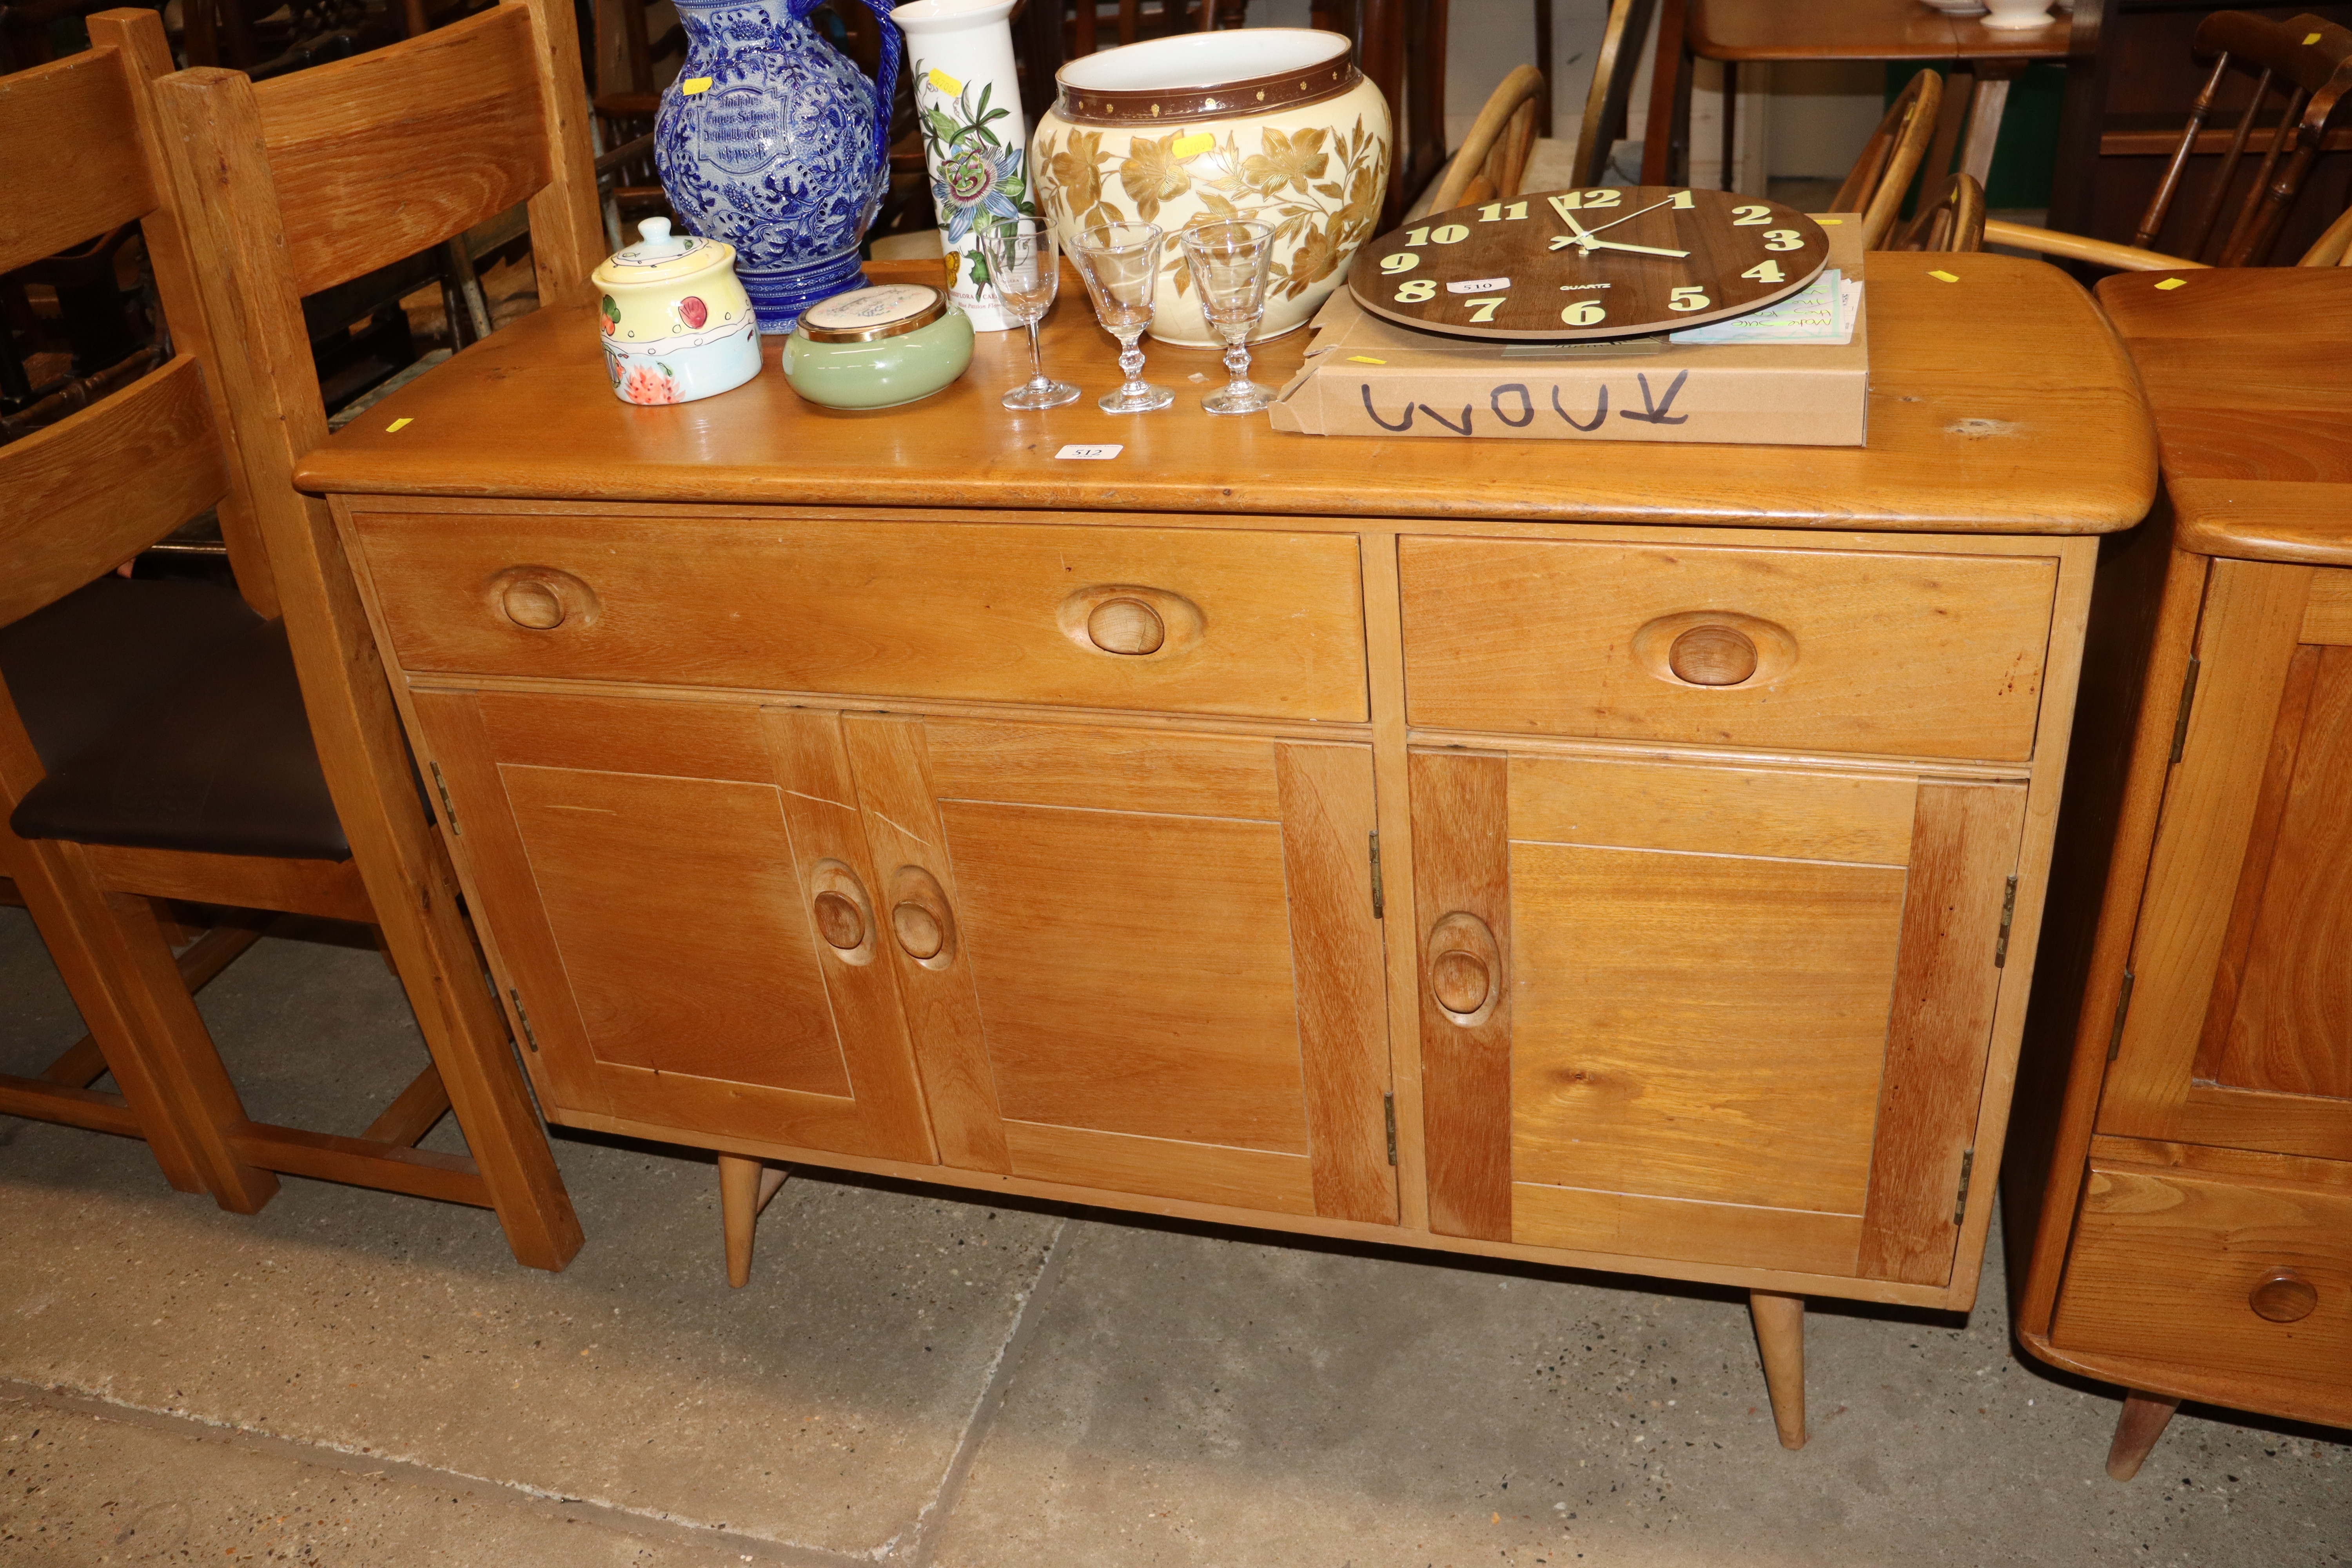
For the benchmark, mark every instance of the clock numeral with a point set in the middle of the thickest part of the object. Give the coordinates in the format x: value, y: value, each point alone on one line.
x: 1495, y: 212
x: 1584, y: 313
x: 1750, y: 216
x: 1448, y: 234
x: 1577, y: 201
x: 1766, y: 272
x: 1484, y: 310
x: 1402, y: 261
x: 1783, y: 239
x: 1604, y: 198
x: 1683, y: 202
x: 1420, y: 292
x: 1688, y: 300
x: 1418, y: 236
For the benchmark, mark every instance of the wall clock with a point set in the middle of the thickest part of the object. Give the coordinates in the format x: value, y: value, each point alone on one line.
x: 1597, y: 263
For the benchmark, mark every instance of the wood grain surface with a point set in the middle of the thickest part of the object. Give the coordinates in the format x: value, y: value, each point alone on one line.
x: 1510, y: 636
x: 1999, y: 404
x: 1857, y: 30
x: 73, y: 174
x: 1523, y: 270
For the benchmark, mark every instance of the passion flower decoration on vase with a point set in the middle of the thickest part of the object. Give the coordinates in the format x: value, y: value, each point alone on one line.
x: 968, y: 100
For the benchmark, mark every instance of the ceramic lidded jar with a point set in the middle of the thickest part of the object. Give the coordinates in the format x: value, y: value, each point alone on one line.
x: 676, y: 324
x: 1276, y: 124
x: 877, y: 347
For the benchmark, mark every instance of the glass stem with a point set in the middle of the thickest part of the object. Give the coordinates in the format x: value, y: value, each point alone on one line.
x: 1130, y: 360
x: 1237, y: 353
x: 1036, y: 359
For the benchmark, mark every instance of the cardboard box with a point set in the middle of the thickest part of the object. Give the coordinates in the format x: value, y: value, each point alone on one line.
x: 1367, y: 376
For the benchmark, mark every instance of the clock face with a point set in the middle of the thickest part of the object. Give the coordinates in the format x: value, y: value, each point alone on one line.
x: 1605, y: 263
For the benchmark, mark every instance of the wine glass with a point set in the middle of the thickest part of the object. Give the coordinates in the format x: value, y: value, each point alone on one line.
x: 1121, y: 262
x: 1229, y: 264
x: 1024, y: 269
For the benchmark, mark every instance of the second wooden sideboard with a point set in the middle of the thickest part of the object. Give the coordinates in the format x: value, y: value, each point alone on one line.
x: 1567, y: 870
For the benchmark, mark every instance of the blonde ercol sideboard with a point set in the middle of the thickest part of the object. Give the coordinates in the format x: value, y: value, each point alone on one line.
x: 1616, y: 856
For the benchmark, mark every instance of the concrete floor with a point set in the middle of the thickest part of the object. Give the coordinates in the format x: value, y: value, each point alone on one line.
x: 352, y: 1378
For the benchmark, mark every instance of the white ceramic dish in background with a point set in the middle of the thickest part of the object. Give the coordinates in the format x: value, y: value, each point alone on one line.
x: 1956, y: 8
x: 2017, y: 16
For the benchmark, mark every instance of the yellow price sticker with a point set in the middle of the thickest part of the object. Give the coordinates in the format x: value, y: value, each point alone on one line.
x: 1946, y: 277
x: 2173, y: 283
x: 1831, y: 221
x: 1364, y: 359
x: 694, y: 85
x: 393, y: 428
x: 2309, y: 40
x: 942, y: 82
x: 1191, y: 146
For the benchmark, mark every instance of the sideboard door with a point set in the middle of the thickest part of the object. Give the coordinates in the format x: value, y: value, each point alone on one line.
x: 1730, y: 1015
x: 1142, y: 961
x: 677, y: 896
x: 2239, y: 1027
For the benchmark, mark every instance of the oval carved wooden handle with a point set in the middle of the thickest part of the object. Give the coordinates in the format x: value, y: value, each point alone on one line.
x: 1712, y: 655
x: 1465, y: 968
x: 839, y: 921
x: 1126, y: 626
x: 531, y: 603
x: 920, y: 919
x: 2282, y: 1296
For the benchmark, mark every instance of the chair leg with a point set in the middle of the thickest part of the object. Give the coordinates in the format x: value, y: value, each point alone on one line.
x: 745, y: 1186
x: 1781, y: 1337
x: 2143, y: 1421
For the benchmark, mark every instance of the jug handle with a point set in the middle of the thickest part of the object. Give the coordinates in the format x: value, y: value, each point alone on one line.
x: 885, y: 87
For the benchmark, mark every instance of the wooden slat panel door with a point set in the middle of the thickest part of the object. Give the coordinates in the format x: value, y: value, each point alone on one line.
x: 1747, y: 1026
x: 678, y: 898
x: 1142, y: 961
x: 2240, y: 1028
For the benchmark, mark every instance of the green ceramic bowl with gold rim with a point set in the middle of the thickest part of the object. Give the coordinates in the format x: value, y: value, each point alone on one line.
x: 879, y: 347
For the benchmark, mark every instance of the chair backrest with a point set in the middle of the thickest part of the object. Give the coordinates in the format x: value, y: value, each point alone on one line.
x: 1487, y: 165
x: 81, y: 496
x: 1605, y: 103
x: 2307, y: 62
x: 1882, y: 176
x: 2334, y: 247
x: 1952, y: 220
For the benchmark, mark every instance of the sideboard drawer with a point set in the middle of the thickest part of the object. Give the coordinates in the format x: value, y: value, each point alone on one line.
x: 1187, y: 620
x: 1899, y: 654
x: 2212, y: 1271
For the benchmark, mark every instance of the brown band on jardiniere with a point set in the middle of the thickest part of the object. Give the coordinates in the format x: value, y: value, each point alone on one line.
x: 1175, y: 105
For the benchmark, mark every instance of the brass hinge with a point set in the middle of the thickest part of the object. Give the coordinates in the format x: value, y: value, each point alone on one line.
x: 523, y: 1014
x: 2123, y: 1010
x: 1968, y: 1167
x: 1388, y: 1109
x: 2007, y: 913
x: 1380, y: 896
x: 449, y: 812
x: 2187, y: 699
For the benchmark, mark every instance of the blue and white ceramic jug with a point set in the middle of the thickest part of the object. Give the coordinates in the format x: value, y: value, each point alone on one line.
x: 772, y: 141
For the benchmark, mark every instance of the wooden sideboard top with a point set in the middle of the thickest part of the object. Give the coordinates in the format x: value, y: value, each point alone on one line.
x: 2000, y: 403
x: 2251, y: 384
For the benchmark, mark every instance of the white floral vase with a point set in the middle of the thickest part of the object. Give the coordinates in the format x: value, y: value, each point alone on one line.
x: 968, y: 100
x: 1270, y: 123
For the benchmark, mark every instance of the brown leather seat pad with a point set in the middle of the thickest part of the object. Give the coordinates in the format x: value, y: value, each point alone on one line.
x: 218, y: 759
x: 77, y: 667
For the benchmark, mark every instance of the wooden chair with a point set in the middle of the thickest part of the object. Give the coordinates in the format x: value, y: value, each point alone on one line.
x: 150, y: 755
x: 1881, y: 178
x: 1953, y: 221
x: 1618, y: 62
x: 1493, y: 158
x: 2308, y: 63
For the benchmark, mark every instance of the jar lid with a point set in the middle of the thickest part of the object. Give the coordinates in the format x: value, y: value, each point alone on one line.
x: 660, y: 256
x: 862, y: 315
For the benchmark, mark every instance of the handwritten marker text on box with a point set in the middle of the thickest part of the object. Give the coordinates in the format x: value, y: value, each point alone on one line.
x: 1089, y: 454
x: 694, y: 85
x: 393, y: 428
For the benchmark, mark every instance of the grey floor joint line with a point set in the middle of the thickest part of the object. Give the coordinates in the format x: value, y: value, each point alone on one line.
x: 924, y: 1544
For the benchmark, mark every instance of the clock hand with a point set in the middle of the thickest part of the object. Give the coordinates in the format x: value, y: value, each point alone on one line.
x: 1620, y: 244
x: 1629, y: 217
x: 1582, y: 237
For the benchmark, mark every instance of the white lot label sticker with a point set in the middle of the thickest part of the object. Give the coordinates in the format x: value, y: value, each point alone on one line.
x: 1090, y: 454
x: 1479, y: 286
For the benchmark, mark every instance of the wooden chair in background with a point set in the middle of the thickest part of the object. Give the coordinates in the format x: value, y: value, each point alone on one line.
x: 2307, y: 63
x: 1882, y: 176
x: 1951, y: 220
x: 155, y: 743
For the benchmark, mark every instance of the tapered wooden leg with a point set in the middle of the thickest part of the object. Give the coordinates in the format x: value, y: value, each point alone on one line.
x: 745, y: 1186
x: 1781, y: 1337
x: 2143, y: 1421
